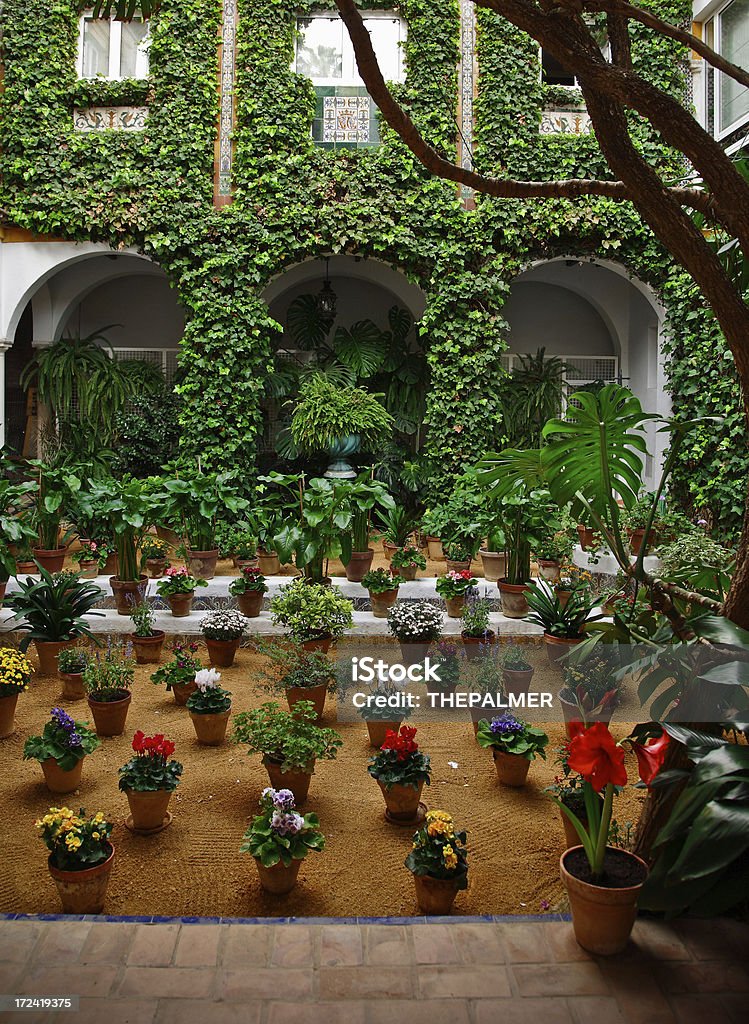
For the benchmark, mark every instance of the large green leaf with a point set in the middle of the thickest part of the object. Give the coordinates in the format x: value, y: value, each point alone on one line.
x: 362, y: 347
x: 719, y: 834
x: 308, y: 329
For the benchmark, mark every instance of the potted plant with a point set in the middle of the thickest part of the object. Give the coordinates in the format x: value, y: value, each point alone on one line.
x: 16, y: 530
x: 55, y: 492
x: 453, y: 587
x: 432, y: 524
x: 397, y: 526
x: 406, y: 561
x: 299, y: 674
x: 178, y: 675
x: 279, y: 839
x: 249, y: 588
x: 591, y: 691
x: 290, y: 743
x: 364, y: 495
x: 60, y: 751
x: 312, y: 615
x: 222, y: 632
x: 71, y: 664
x: 148, y: 780
x: 147, y: 641
x: 51, y: 610
x: 514, y: 743
x: 25, y: 564
x: 603, y: 882
x: 571, y: 579
x: 484, y: 679
x: 475, y: 631
x: 108, y: 679
x: 415, y: 625
x: 517, y: 671
x: 568, y: 789
x: 245, y: 550
x: 15, y: 676
x: 91, y: 558
x: 178, y: 587
x: 635, y: 521
x: 81, y: 855
x: 383, y: 590
x: 552, y: 550
x: 195, y: 502
x: 401, y: 771
x: 156, y: 553
x: 384, y: 713
x: 563, y: 626
x: 209, y: 705
x: 493, y: 555
x: 438, y: 862
x: 264, y: 521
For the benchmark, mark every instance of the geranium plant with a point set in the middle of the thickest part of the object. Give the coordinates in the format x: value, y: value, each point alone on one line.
x: 15, y: 672
x: 510, y: 735
x: 150, y: 769
x: 223, y: 625
x: 178, y: 580
x: 63, y: 739
x: 291, y: 739
x: 181, y: 669
x: 399, y: 761
x: 454, y: 584
x: 209, y: 698
x: 109, y: 675
x: 439, y: 851
x: 74, y: 841
x: 380, y: 581
x: 249, y: 581
x: 308, y: 611
x: 415, y: 622
x: 279, y: 833
x: 408, y: 557
x: 92, y: 551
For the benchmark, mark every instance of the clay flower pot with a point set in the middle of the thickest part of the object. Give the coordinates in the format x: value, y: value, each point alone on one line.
x: 128, y: 593
x: 315, y: 694
x: 435, y: 550
x: 571, y: 837
x: 563, y: 597
x: 8, y: 715
x: 110, y: 715
x: 148, y: 809
x: 636, y: 537
x: 318, y: 643
x: 155, y: 567
x: 476, y: 715
x: 513, y: 598
x: 474, y: 644
x: 359, y: 565
x: 88, y: 569
x: 378, y: 729
x: 26, y: 568
x: 211, y: 729
x: 72, y: 686
x: 455, y: 606
x: 516, y: 680
x: 297, y: 781
x: 402, y: 802
x: 148, y: 648
x: 245, y: 563
x: 382, y: 603
x: 172, y: 538
x: 586, y: 537
x: 603, y: 917
x: 59, y: 781
x: 250, y: 603
x: 388, y: 549
x: 406, y: 572
x: 51, y: 559
x: 269, y: 562
x: 279, y: 879
x: 548, y: 569
x: 83, y: 892
x: 435, y: 895
x: 180, y: 604
x: 222, y: 652
x: 202, y: 564
x: 453, y: 566
x: 182, y: 692
x: 414, y: 653
x: 47, y: 652
x: 512, y: 769
x: 112, y: 565
x: 558, y: 646
x: 495, y: 565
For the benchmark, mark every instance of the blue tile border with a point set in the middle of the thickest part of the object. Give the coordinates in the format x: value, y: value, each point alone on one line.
x: 147, y: 919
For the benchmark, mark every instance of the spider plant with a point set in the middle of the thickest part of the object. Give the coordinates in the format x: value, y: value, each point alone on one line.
x: 52, y: 607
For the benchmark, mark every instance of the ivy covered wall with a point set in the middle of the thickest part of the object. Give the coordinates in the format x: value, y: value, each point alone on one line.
x: 293, y: 202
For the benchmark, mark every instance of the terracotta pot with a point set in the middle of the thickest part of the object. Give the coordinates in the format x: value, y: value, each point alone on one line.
x: 148, y: 648
x: 47, y: 652
x: 455, y: 606
x: 414, y: 653
x: 517, y: 681
x: 279, y: 879
x: 148, y: 809
x: 8, y: 715
x: 512, y: 769
x: 111, y: 566
x: 495, y: 565
x: 318, y: 643
x: 59, y: 781
x: 563, y: 597
x: 378, y: 729
x: 572, y: 713
x: 406, y: 572
x: 453, y: 566
x: 382, y: 603
x: 110, y: 715
x: 558, y: 646
x: 72, y: 686
x: 548, y: 569
x: 83, y: 892
x: 435, y: 550
x: 359, y: 565
x: 269, y: 562
x: 435, y: 895
x: 88, y: 570
x: 586, y: 537
x: 315, y: 694
x: 202, y: 564
x: 402, y: 802
x: 26, y: 568
x: 3, y: 585
x: 128, y: 593
x: 155, y: 567
x: 636, y: 537
x: 211, y: 729
x: 476, y: 716
x: 181, y: 604
x: 170, y: 536
x: 513, y: 598
x: 246, y: 563
x: 222, y: 652
x: 297, y: 781
x: 389, y: 549
x: 51, y: 559
x: 182, y: 692
x: 476, y: 645
x: 602, y: 917
x: 571, y: 837
x: 250, y: 603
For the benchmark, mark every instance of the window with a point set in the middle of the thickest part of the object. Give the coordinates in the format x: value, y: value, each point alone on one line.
x: 112, y: 49
x: 726, y: 101
x: 554, y: 73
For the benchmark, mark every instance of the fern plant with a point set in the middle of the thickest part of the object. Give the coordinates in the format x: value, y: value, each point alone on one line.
x: 327, y: 413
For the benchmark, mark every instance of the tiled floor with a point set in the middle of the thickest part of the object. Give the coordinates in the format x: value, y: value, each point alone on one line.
x: 458, y: 972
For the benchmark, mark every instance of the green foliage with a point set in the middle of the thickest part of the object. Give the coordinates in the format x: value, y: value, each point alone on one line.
x: 279, y: 834
x: 147, y: 438
x: 565, y: 621
x: 292, y: 740
x: 310, y: 610
x: 196, y: 499
x: 64, y: 740
x: 109, y: 676
x: 510, y: 735
x: 326, y: 414
x: 52, y: 607
x: 439, y: 851
x: 380, y: 581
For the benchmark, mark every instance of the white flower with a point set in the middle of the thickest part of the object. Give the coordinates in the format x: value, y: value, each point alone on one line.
x: 207, y: 679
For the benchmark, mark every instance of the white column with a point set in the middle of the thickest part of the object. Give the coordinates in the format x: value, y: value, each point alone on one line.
x: 4, y: 346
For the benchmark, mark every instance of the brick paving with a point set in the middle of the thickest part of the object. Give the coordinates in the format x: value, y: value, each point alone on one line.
x: 459, y: 972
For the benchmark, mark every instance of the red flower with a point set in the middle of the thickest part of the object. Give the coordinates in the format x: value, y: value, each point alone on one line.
x: 402, y: 744
x: 650, y: 756
x: 595, y: 756
x: 152, y: 746
x: 138, y: 739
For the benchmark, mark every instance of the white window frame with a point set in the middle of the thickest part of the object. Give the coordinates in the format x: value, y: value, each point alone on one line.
x: 712, y: 15
x: 115, y: 52
x: 349, y: 74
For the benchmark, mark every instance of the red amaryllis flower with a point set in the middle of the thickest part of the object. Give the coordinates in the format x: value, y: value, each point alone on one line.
x: 595, y: 756
x: 650, y: 756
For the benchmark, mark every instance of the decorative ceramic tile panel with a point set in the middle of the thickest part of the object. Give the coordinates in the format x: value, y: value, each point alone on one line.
x: 466, y: 84
x: 346, y: 119
x: 565, y: 122
x: 226, y: 122
x: 101, y: 119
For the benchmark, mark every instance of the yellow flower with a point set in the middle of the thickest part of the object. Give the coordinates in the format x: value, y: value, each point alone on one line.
x: 95, y: 835
x: 72, y: 841
x: 448, y: 855
x: 439, y: 828
x: 440, y: 816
